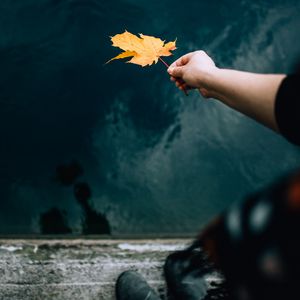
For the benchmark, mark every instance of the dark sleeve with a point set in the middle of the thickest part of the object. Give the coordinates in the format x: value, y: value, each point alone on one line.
x: 287, y: 108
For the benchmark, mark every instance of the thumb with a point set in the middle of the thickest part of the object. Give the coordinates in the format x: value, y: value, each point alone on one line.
x: 176, y: 71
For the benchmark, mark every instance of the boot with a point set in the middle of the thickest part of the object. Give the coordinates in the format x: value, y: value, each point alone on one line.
x: 183, y: 276
x: 185, y: 273
x: 132, y: 286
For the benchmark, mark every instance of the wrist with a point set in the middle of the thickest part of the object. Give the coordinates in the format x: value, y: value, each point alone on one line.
x: 208, y: 81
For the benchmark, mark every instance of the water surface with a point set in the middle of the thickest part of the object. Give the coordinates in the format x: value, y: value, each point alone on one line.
x: 88, y: 148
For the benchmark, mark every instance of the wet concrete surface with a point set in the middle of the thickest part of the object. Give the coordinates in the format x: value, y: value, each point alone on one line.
x: 80, y: 268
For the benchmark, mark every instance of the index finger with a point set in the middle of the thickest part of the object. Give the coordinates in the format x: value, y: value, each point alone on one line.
x: 183, y: 60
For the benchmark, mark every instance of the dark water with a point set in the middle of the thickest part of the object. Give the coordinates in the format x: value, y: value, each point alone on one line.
x: 92, y: 148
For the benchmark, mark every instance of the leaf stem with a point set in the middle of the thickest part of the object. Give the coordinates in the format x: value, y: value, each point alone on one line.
x: 163, y: 62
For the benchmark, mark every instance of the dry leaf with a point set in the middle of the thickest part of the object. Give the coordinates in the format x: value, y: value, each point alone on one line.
x: 144, y: 50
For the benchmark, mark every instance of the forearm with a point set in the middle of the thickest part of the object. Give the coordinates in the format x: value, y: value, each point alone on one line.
x: 249, y: 93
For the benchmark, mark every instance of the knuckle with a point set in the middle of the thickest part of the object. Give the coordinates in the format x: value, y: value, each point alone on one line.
x: 202, y: 52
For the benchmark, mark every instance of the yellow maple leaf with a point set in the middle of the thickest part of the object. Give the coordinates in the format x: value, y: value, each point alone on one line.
x: 144, y: 50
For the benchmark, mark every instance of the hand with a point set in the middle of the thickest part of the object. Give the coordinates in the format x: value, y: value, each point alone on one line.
x: 192, y: 70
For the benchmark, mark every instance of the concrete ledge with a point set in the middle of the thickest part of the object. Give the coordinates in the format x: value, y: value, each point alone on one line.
x: 78, y: 269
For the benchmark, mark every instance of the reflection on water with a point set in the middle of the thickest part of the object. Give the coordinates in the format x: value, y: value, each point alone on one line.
x: 54, y: 221
x: 94, y: 222
x: 146, y: 158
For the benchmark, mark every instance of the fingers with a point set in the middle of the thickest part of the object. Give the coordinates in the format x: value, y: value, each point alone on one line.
x: 176, y: 71
x: 176, y: 68
x: 180, y: 84
x: 204, y: 92
x: 183, y: 60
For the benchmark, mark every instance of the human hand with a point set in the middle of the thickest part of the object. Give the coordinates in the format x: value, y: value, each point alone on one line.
x: 192, y: 70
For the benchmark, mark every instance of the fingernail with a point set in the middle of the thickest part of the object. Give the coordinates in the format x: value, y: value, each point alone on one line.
x: 170, y: 70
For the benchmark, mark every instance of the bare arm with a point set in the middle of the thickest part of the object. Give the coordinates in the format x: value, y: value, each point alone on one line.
x: 249, y: 93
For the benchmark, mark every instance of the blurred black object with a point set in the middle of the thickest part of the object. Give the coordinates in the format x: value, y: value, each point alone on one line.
x: 255, y: 245
x: 186, y: 275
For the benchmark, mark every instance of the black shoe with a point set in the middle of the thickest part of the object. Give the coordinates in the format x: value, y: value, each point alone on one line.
x: 185, y: 275
x: 186, y: 272
x: 132, y: 286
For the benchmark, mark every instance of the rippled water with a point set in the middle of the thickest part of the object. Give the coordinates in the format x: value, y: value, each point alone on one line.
x: 92, y: 148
